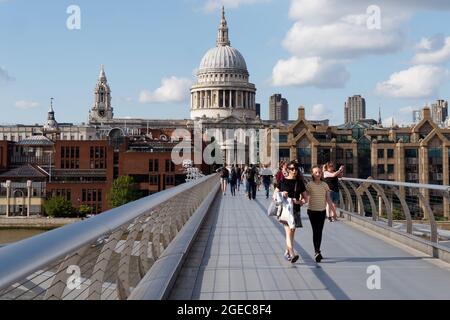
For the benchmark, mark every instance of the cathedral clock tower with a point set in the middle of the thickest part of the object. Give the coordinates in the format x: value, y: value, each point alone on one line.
x: 102, y: 110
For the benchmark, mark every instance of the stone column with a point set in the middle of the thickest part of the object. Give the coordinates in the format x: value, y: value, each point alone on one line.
x: 223, y: 98
x: 236, y: 99
x: 8, y: 196
x: 245, y: 100
x: 446, y: 180
x: 230, y: 103
x: 29, y: 189
x: 423, y: 176
x: 197, y: 100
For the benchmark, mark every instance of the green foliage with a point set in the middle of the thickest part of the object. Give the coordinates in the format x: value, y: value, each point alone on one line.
x: 58, y: 207
x: 84, y: 210
x: 122, y: 192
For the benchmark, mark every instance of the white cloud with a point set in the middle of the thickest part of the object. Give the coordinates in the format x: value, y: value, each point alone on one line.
x: 214, y: 5
x: 309, y: 72
x: 434, y: 50
x: 342, y: 39
x: 25, y: 105
x: 338, y: 30
x: 172, y: 89
x: 322, y: 11
x: 320, y: 112
x: 4, y: 76
x: 416, y: 82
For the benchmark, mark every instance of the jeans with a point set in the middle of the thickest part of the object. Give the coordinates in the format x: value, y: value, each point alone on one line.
x: 252, y: 190
x: 233, y: 188
x: 317, y: 219
x: 267, y: 186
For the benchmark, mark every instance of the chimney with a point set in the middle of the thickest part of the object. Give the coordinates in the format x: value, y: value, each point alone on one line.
x: 426, y: 113
x: 301, y: 113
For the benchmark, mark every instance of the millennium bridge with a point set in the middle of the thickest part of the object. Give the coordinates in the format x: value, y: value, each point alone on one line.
x: 191, y: 242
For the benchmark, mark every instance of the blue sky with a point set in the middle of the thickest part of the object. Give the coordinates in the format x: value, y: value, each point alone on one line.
x: 315, y: 52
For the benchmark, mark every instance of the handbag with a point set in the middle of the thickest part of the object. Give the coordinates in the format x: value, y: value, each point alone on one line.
x: 287, y: 213
x: 275, y: 206
x: 298, y: 219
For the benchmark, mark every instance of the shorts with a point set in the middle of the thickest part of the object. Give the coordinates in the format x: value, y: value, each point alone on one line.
x: 334, y: 197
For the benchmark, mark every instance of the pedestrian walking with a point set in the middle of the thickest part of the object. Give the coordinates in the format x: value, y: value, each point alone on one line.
x: 292, y: 188
x: 224, y: 175
x: 331, y: 177
x: 252, y: 176
x: 233, y: 180
x: 239, y: 177
x: 282, y: 172
x: 267, y: 176
x: 318, y: 197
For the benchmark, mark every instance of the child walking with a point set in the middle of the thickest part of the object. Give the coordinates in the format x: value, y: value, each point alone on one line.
x: 319, y: 196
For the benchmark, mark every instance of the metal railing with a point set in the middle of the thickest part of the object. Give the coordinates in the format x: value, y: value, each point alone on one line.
x: 104, y: 257
x: 415, y: 209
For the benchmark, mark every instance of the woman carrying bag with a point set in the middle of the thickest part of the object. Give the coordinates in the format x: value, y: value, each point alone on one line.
x: 291, y: 188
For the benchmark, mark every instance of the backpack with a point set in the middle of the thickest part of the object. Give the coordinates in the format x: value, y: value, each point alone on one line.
x: 233, y: 176
x: 251, y: 174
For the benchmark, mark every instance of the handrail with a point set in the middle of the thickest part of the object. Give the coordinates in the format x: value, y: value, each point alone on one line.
x: 396, y: 183
x: 388, y: 191
x: 23, y: 258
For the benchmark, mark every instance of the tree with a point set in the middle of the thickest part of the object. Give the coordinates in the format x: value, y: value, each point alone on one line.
x: 123, y: 191
x: 58, y: 207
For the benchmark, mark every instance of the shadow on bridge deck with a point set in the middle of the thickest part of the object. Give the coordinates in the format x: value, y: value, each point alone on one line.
x: 238, y: 255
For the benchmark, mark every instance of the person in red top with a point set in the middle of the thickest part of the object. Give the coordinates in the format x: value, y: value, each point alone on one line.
x: 282, y: 172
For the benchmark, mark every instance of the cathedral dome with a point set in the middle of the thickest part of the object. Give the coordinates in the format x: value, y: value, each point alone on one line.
x: 223, y: 58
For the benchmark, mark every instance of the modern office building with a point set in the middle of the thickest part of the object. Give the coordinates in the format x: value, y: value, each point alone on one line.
x: 278, y: 108
x: 439, y: 111
x: 355, y: 109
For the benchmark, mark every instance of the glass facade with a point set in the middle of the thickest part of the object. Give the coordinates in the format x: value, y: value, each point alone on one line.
x: 435, y: 166
x: 411, y: 165
x: 304, y: 158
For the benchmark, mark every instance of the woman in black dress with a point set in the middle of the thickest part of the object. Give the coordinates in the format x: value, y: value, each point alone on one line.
x: 292, y: 187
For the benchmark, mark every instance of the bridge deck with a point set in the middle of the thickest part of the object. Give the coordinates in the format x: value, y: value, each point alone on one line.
x: 239, y: 255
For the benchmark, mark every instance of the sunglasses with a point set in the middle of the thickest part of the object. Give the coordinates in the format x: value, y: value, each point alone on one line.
x: 293, y: 169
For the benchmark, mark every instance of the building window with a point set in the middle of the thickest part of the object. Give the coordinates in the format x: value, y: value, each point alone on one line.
x: 170, y: 180
x: 435, y: 166
x: 93, y: 199
x: 349, y: 169
x: 283, y: 138
x: 349, y: 154
x: 284, y: 154
x: 304, y: 158
x: 390, y: 168
x: 390, y: 153
x: 98, y: 157
x: 170, y: 166
x: 153, y: 165
x: 154, y: 180
x: 70, y: 157
x: 380, y: 169
x: 339, y: 153
x: 380, y: 153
